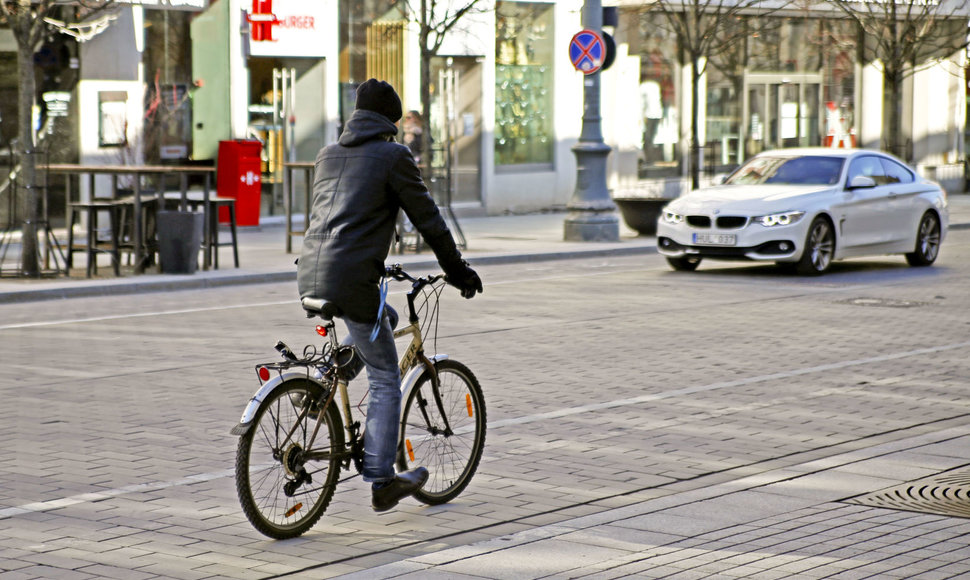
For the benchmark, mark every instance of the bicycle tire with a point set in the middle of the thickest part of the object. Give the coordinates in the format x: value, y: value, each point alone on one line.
x: 451, y: 459
x: 267, y: 462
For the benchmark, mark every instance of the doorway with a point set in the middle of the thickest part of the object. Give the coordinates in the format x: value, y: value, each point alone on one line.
x: 457, y: 128
x: 781, y: 110
x: 287, y: 115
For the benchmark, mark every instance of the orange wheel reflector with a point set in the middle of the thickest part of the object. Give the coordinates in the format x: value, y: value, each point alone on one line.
x: 321, y: 330
x: 293, y: 510
x: 468, y: 403
x: 263, y: 374
x: 407, y: 443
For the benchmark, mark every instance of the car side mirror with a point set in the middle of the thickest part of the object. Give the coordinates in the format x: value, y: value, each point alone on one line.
x: 861, y: 182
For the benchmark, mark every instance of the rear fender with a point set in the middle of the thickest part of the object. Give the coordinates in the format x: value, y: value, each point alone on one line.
x: 249, y: 413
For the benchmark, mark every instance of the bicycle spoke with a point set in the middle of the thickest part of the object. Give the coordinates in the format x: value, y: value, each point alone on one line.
x: 283, y: 485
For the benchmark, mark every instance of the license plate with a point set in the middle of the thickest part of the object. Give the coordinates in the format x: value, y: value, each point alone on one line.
x: 715, y: 239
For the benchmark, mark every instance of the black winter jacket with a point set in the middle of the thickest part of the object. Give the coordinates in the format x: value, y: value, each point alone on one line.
x: 359, y: 185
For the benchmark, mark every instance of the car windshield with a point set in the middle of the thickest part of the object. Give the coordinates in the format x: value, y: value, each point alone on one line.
x: 788, y: 170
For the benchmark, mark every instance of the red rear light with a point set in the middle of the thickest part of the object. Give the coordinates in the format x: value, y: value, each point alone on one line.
x: 263, y: 373
x: 321, y: 330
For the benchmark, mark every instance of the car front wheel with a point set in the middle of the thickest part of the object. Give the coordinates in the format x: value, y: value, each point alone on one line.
x: 819, y: 248
x: 927, y: 241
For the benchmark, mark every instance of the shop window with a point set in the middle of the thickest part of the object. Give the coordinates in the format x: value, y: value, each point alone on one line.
x: 112, y: 118
x: 659, y: 115
x: 723, y: 151
x: 523, y: 83
x: 371, y: 46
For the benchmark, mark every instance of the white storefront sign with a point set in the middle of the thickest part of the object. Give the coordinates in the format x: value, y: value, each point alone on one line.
x: 297, y: 31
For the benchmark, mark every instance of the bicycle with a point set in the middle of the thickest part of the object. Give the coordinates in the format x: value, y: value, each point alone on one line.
x: 293, y: 441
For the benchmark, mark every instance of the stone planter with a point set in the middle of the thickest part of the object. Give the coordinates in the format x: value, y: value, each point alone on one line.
x: 641, y: 213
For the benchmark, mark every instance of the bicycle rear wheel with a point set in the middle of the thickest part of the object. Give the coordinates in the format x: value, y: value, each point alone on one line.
x: 288, y: 463
x: 451, y: 455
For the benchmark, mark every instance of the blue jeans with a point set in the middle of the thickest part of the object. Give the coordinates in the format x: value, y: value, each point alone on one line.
x: 382, y: 428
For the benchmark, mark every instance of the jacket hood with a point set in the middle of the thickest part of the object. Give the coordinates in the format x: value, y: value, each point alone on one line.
x: 364, y: 126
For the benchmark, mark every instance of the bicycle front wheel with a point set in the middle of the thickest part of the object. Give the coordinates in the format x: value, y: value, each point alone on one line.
x: 288, y: 463
x: 451, y: 449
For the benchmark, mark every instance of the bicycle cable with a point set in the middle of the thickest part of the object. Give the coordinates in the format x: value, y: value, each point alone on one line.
x: 380, y: 309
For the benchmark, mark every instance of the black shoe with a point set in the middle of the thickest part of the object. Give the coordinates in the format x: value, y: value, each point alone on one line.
x: 403, y: 485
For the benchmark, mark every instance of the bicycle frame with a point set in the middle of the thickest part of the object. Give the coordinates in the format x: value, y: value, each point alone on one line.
x: 409, y: 366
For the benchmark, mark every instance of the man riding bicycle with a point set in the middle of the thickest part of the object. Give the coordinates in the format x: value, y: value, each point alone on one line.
x: 360, y: 184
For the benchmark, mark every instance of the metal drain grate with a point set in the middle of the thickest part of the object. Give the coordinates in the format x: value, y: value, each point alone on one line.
x: 946, y: 494
x: 886, y: 302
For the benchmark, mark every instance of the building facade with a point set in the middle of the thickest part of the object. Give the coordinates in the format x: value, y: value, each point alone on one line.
x: 169, y: 79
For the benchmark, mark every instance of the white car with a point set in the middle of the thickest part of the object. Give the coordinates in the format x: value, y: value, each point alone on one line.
x: 807, y: 207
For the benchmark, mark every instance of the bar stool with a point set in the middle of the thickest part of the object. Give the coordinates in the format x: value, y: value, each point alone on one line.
x: 92, y: 248
x: 149, y: 227
x: 214, y: 244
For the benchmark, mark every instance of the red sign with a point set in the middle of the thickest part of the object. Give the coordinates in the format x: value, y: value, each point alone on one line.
x: 587, y: 51
x: 261, y: 20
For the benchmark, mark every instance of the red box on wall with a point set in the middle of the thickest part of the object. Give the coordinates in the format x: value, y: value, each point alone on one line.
x: 238, y: 176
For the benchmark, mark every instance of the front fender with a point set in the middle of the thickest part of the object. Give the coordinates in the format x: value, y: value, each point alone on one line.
x: 249, y: 413
x: 411, y: 379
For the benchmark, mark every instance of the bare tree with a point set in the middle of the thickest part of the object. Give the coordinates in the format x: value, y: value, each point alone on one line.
x: 435, y: 19
x: 29, y: 20
x: 901, y: 36
x: 706, y: 29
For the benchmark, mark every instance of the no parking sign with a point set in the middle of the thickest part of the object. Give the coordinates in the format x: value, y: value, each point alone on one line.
x: 587, y: 51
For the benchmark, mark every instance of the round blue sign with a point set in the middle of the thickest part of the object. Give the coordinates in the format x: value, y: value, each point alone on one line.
x: 587, y: 51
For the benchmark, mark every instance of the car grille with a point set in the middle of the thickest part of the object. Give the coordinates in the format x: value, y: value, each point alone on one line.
x: 699, y: 221
x: 731, y: 222
x: 724, y: 222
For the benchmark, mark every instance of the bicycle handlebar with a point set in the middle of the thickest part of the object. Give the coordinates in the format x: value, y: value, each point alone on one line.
x: 396, y: 271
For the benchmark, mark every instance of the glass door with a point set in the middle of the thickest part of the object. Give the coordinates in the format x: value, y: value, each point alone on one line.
x: 781, y: 111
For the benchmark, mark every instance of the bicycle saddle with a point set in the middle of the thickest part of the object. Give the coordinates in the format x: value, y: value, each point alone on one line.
x: 320, y: 307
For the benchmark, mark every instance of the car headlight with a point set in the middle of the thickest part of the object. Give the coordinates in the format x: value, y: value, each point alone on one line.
x: 778, y: 219
x: 672, y: 217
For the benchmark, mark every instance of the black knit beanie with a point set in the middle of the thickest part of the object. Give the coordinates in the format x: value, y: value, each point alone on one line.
x: 379, y: 97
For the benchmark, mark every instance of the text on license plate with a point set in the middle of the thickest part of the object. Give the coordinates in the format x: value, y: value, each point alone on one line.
x: 715, y: 239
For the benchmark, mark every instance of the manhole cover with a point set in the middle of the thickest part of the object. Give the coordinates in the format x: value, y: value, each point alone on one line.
x: 946, y: 494
x: 888, y: 302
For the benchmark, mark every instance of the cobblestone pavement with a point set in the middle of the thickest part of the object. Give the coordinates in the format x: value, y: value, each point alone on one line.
x: 642, y: 423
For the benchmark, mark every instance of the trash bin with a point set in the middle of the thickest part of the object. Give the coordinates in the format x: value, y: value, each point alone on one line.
x: 179, y: 241
x: 238, y: 176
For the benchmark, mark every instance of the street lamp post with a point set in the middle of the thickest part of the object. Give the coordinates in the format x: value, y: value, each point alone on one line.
x: 592, y: 214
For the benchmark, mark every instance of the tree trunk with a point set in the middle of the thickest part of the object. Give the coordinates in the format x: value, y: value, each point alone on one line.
x: 694, y: 121
x: 426, y: 153
x: 895, y: 143
x: 28, y: 161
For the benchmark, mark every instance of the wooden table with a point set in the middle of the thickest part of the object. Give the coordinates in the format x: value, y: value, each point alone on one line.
x: 159, y: 172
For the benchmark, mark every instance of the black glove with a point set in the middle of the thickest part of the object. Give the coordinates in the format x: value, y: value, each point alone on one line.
x: 460, y: 275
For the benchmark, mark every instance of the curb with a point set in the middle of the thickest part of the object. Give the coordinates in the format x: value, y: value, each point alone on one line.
x: 84, y: 289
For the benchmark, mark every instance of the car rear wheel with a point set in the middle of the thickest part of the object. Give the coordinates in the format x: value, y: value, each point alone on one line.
x: 685, y: 264
x: 927, y: 241
x: 819, y: 248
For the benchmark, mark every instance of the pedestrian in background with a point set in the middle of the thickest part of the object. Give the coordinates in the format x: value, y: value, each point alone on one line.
x: 413, y: 128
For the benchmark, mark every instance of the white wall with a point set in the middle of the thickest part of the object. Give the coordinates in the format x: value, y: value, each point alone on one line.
x: 869, y: 107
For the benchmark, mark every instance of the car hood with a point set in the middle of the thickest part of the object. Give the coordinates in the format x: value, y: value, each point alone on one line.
x: 750, y: 198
